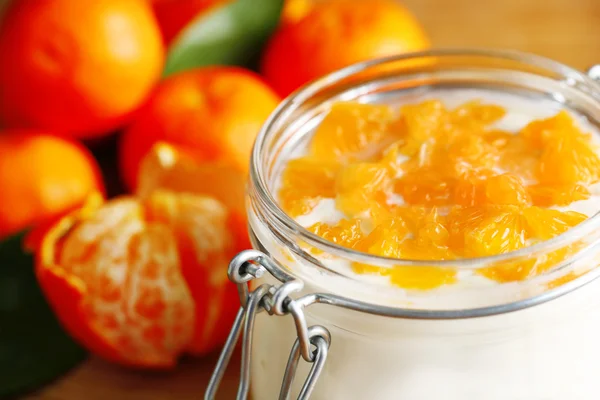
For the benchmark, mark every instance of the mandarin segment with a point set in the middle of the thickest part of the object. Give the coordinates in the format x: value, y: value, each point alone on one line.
x: 568, y: 155
x: 351, y: 132
x: 545, y: 224
x: 426, y: 188
x: 470, y: 192
x: 539, y: 133
x: 469, y: 156
x: 511, y: 271
x: 422, y: 277
x: 433, y: 235
x: 386, y: 239
x: 358, y: 184
x: 506, y: 189
x: 569, y: 160
x: 423, y: 121
x: 346, y: 233
x: 304, y: 182
x: 205, y: 245
x: 518, y: 158
x: 499, y: 232
x: 548, y: 195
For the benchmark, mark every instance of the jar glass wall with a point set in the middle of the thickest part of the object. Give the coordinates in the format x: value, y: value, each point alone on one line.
x: 533, y: 339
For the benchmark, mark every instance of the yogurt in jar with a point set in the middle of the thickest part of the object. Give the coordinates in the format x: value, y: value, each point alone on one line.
x: 550, y: 351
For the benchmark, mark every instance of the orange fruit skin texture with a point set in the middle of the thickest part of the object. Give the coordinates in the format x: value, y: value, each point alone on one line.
x: 77, y: 68
x: 42, y: 176
x: 140, y: 282
x: 429, y: 183
x: 334, y: 34
x: 174, y: 15
x: 213, y: 112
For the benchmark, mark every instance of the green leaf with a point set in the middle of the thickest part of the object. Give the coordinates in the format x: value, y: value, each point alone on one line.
x: 34, y: 350
x: 233, y: 34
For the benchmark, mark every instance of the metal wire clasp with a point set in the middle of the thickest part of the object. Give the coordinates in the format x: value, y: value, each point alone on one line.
x: 312, y: 342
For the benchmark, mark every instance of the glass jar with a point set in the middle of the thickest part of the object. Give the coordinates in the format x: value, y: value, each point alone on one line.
x: 533, y: 339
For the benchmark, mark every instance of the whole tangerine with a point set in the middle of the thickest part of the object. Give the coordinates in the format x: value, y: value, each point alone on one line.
x: 214, y: 113
x: 337, y: 33
x: 174, y: 15
x: 42, y: 176
x: 78, y: 68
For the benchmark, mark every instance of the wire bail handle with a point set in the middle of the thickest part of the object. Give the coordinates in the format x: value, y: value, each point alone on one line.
x: 275, y: 300
x: 594, y: 72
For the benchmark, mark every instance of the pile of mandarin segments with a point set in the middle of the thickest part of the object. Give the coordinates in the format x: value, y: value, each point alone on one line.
x: 429, y: 183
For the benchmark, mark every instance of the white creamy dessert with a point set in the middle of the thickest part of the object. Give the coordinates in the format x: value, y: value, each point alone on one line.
x: 550, y: 351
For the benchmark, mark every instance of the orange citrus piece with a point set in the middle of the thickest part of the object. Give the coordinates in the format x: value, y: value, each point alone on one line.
x: 426, y: 188
x: 539, y: 133
x: 358, y: 184
x: 206, y: 244
x: 506, y: 189
x: 500, y: 230
x: 305, y: 181
x: 346, y: 233
x: 141, y: 282
x: 557, y: 194
x: 349, y: 129
x: 115, y: 283
x: 546, y: 223
x: 569, y: 160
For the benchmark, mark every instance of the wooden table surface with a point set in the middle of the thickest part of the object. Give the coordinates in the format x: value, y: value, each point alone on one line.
x: 565, y: 30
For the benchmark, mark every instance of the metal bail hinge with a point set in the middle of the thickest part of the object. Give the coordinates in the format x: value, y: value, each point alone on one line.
x: 312, y: 342
x: 594, y: 72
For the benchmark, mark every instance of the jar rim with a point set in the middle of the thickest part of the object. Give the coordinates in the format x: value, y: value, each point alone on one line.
x: 271, y: 206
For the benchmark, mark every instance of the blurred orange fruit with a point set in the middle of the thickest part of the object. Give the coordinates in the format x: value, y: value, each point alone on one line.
x: 140, y: 282
x: 42, y: 176
x: 79, y: 68
x: 174, y: 15
x: 214, y: 113
x: 167, y: 167
x: 294, y: 10
x: 334, y: 34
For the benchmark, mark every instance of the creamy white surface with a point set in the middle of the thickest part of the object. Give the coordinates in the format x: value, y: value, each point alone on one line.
x: 547, y: 352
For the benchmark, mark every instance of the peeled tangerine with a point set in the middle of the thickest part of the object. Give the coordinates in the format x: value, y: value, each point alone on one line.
x: 142, y: 280
x: 431, y: 183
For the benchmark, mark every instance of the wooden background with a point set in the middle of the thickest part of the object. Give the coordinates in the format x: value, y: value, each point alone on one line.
x: 565, y: 30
